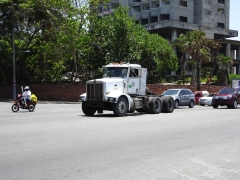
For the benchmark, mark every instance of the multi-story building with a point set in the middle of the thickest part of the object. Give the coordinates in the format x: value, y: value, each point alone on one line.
x: 170, y: 18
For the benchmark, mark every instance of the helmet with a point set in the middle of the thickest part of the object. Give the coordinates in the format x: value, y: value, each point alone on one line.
x: 26, y: 87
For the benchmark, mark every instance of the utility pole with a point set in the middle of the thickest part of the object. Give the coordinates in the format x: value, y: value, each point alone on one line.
x: 14, y: 65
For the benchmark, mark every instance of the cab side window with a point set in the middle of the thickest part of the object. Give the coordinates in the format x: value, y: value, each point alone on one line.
x: 134, y: 73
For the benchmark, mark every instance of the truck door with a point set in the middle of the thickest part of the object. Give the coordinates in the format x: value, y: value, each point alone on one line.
x: 133, y: 81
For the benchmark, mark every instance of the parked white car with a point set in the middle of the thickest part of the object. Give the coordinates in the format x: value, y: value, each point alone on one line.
x: 206, y: 100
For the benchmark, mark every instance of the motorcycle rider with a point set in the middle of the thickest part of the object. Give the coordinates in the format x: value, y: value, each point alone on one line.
x: 26, y: 96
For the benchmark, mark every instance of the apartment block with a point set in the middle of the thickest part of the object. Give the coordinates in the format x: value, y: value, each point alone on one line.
x: 170, y: 18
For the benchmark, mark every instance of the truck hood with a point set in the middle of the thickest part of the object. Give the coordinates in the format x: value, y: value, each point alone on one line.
x: 113, y: 86
x: 113, y: 79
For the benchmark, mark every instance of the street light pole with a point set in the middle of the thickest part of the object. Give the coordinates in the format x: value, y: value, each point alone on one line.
x: 14, y: 66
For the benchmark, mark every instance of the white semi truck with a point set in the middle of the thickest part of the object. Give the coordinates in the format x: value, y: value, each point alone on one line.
x: 123, y: 90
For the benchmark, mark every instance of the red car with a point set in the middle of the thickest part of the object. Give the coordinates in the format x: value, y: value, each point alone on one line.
x: 199, y: 94
x: 229, y: 97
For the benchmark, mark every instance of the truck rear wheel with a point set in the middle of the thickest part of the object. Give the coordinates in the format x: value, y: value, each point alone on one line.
x: 87, y: 110
x: 155, y: 105
x: 168, y: 104
x: 121, y: 107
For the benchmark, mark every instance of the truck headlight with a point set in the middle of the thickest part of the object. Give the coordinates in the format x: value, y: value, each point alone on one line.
x: 111, y: 99
x: 81, y: 98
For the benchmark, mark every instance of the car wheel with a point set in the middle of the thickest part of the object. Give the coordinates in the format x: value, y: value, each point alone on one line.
x: 215, y: 106
x: 235, y: 105
x: 176, y: 106
x: 191, y: 105
x: 229, y: 106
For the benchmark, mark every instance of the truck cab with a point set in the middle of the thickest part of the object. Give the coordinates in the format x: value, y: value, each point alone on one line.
x: 133, y: 76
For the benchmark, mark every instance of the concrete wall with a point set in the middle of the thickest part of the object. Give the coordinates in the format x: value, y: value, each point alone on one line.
x: 71, y: 92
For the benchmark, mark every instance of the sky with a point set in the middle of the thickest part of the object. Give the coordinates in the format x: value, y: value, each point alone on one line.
x: 234, y: 23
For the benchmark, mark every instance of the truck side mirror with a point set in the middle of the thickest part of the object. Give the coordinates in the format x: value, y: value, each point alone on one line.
x: 140, y: 72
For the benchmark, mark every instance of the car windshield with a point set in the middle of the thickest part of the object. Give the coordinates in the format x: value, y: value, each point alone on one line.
x: 170, y: 92
x: 210, y: 95
x: 227, y: 91
x: 115, y: 71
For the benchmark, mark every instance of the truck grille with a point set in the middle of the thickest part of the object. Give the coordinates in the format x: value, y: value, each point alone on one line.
x: 95, y: 91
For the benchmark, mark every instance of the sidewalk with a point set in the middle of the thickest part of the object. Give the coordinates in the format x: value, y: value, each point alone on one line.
x: 44, y: 102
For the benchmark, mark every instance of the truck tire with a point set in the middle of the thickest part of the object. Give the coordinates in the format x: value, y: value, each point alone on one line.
x: 121, y: 107
x: 87, y: 110
x: 155, y: 105
x: 168, y: 104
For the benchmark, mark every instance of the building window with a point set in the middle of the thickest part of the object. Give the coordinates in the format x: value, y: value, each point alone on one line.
x: 164, y: 17
x: 155, y: 4
x: 144, y: 21
x: 209, y: 1
x: 146, y: 7
x: 221, y: 1
x: 220, y: 25
x: 208, y: 12
x: 183, y: 19
x: 136, y: 9
x: 221, y: 11
x: 100, y: 10
x: 136, y: 0
x: 106, y: 8
x: 115, y: 6
x: 154, y: 19
x: 183, y: 3
x: 165, y: 2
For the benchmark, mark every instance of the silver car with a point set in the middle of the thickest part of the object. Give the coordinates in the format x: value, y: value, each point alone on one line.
x: 206, y: 100
x: 182, y: 97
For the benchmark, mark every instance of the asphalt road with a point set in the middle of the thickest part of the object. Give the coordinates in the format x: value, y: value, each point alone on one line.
x: 57, y: 142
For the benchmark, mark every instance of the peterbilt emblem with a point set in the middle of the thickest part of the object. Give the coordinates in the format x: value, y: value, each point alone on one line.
x: 131, y: 85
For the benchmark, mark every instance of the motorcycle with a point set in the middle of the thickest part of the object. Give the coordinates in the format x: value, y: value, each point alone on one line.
x: 19, y: 103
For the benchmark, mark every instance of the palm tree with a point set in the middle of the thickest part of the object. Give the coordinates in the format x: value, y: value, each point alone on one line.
x: 214, y: 48
x: 225, y: 63
x: 195, y: 44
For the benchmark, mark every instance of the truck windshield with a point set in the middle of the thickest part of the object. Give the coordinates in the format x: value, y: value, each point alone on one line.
x: 115, y: 72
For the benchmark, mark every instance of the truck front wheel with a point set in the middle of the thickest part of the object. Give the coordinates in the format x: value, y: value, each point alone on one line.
x: 87, y: 110
x: 121, y: 107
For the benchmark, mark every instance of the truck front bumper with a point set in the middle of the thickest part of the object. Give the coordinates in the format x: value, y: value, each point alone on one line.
x: 95, y: 103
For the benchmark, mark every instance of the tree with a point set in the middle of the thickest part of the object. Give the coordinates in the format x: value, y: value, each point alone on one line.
x: 117, y: 37
x: 53, y: 30
x: 195, y: 44
x: 225, y: 63
x: 214, y: 48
